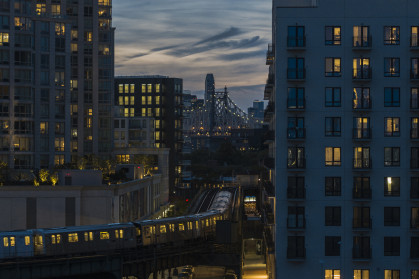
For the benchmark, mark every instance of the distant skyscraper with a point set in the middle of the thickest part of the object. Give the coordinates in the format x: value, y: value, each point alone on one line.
x: 258, y: 106
x: 209, y: 99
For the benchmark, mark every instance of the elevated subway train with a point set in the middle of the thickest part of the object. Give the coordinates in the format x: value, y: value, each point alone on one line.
x: 99, y: 238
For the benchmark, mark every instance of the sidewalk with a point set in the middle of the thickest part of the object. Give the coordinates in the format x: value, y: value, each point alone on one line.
x: 254, y: 267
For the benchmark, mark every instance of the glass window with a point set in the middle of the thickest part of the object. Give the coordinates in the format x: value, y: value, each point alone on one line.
x: 391, y: 67
x: 392, y: 35
x: 332, y: 216
x: 361, y: 37
x: 415, y: 274
x: 362, y: 157
x: 362, y: 189
x: 332, y: 156
x: 296, y: 37
x: 296, y: 158
x: 361, y: 98
x: 333, y: 35
x: 361, y: 68
x: 392, y: 97
x: 295, y: 127
x: 295, y: 68
x: 391, y: 248
x: 391, y: 126
x: 391, y: 186
x: 361, y: 128
x: 414, y: 38
x: 332, y: 186
x: 295, y: 98
x: 296, y: 217
x: 332, y: 67
x: 332, y: 127
x: 361, y: 274
x: 414, y: 68
x: 392, y: 216
x: 104, y: 235
x: 331, y: 273
x: 332, y: 97
x: 391, y: 156
x: 73, y: 237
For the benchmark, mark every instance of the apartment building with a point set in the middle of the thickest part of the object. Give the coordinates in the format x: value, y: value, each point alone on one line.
x: 343, y: 87
x: 56, y: 81
x: 159, y: 98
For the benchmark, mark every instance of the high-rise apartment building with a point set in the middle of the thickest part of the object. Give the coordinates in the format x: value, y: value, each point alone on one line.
x: 345, y: 79
x: 56, y: 81
x: 157, y: 97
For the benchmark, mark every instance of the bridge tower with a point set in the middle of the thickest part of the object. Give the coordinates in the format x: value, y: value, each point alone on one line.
x: 210, y: 100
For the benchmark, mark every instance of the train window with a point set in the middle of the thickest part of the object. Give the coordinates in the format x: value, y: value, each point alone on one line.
x: 104, y: 235
x: 27, y: 240
x: 172, y: 227
x: 119, y: 233
x: 196, y: 224
x: 207, y: 222
x: 163, y: 229
x: 12, y: 241
x: 73, y: 237
x: 116, y: 233
x: 189, y: 225
x: 86, y: 236
x: 147, y: 231
x: 91, y: 236
x: 138, y: 231
x: 58, y: 238
x: 53, y: 239
x: 39, y: 241
x: 153, y: 229
x: 181, y: 227
x: 202, y: 223
x: 5, y: 242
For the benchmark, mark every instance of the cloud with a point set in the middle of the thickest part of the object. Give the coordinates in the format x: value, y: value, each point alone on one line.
x: 242, y: 55
x: 233, y: 31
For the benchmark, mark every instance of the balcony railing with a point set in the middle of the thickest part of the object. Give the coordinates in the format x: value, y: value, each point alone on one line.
x: 414, y: 192
x: 414, y: 75
x: 296, y: 74
x: 361, y: 42
x: 362, y: 193
x: 414, y: 252
x: 296, y: 133
x: 296, y: 254
x: 414, y: 223
x: 361, y: 133
x: 294, y: 103
x: 296, y: 193
x: 414, y: 133
x: 296, y: 164
x: 362, y: 164
x: 296, y: 42
x: 296, y: 223
x: 414, y: 163
x: 362, y: 104
x: 362, y: 223
x: 364, y: 73
x: 361, y: 253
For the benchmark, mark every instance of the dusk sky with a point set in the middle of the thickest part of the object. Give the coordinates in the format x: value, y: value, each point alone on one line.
x: 190, y: 38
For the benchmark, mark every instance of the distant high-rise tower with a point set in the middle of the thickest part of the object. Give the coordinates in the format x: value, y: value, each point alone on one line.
x: 209, y: 99
x: 258, y: 106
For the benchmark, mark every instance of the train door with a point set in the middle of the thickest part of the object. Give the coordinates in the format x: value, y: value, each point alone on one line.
x: 9, y: 246
x: 39, y: 244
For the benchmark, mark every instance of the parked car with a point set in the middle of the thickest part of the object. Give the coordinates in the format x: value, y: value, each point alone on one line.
x: 184, y: 275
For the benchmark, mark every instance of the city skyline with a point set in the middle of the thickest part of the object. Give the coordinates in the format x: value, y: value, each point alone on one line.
x: 190, y: 39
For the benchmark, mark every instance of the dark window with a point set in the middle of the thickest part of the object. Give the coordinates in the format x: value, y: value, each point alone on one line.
x: 414, y: 247
x: 296, y: 218
x: 333, y: 67
x: 391, y: 67
x: 414, y: 187
x: 332, y: 216
x: 332, y: 97
x: 296, y: 128
x: 392, y: 97
x: 296, y: 37
x: 392, y: 35
x: 296, y: 158
x: 391, y: 246
x: 332, y: 245
x: 296, y: 247
x: 361, y: 98
x: 295, y: 68
x: 392, y: 216
x: 392, y: 126
x: 361, y: 247
x: 391, y: 156
x: 361, y: 128
x: 332, y: 186
x: 333, y: 35
x: 362, y: 189
x: 414, y: 127
x: 414, y: 157
x: 414, y: 217
x: 391, y: 186
x: 332, y: 127
x: 414, y: 68
x: 296, y: 187
x: 361, y: 37
x: 295, y: 98
x: 361, y: 217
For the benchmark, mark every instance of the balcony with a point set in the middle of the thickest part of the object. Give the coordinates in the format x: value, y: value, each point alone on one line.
x: 361, y: 253
x: 270, y: 55
x: 298, y: 223
x: 362, y: 74
x: 296, y: 75
x: 269, y: 111
x: 296, y: 254
x: 294, y: 193
x: 296, y: 104
x: 296, y: 43
x: 361, y: 193
x: 296, y: 164
x: 361, y: 133
x: 414, y: 75
x: 361, y: 42
x: 363, y: 104
x: 362, y: 223
x: 362, y: 164
x: 296, y: 133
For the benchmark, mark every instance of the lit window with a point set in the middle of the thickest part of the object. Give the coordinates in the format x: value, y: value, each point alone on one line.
x: 41, y: 9
x: 157, y: 100
x: 120, y: 88
x: 414, y: 38
x: 361, y: 68
x: 149, y: 100
x: 86, y: 236
x: 391, y: 274
x: 391, y: 67
x: 73, y: 47
x: 91, y: 236
x: 332, y: 274
x: 121, y: 100
x: 391, y: 36
x: 131, y: 88
x: 361, y: 37
x: 5, y: 242
x: 391, y: 186
x: 56, y: 10
x: 181, y: 227
x: 27, y: 240
x: 59, y: 29
x: 116, y: 233
x: 361, y: 274
x: 104, y: 235
x: 157, y: 88
x: 361, y: 98
x: 391, y: 126
x: 149, y: 88
x: 73, y: 237
x: 333, y: 35
x: 143, y: 88
x: 53, y: 239
x: 131, y: 100
x: 163, y: 229
x: 39, y: 241
x: 332, y: 155
x: 4, y: 39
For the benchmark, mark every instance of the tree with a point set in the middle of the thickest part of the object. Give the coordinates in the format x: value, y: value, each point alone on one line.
x: 54, y: 178
x: 43, y: 175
